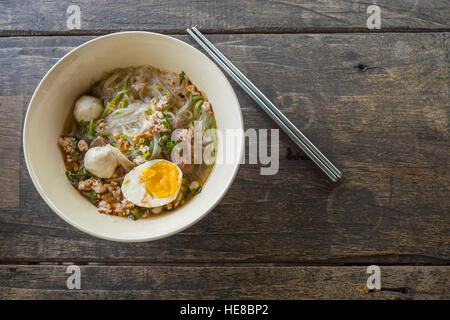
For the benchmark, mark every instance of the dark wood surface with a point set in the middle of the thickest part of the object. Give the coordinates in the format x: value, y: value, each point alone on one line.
x: 230, y: 16
x: 222, y: 282
x: 375, y: 103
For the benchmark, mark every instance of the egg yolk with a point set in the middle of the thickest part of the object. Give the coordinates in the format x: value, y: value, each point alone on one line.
x: 161, y: 179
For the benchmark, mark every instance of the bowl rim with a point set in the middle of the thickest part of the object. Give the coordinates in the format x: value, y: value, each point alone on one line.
x: 94, y: 233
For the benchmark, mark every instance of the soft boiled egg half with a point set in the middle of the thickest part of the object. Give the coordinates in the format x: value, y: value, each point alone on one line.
x: 153, y: 183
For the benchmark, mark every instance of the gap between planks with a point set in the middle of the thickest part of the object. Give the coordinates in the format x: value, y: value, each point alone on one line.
x: 101, y: 262
x: 23, y: 33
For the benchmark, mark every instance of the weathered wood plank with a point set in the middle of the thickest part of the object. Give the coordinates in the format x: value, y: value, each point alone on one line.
x: 173, y: 16
x: 244, y: 282
x: 384, y: 124
x: 11, y: 108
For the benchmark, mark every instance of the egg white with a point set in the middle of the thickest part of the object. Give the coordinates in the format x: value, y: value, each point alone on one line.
x: 133, y: 188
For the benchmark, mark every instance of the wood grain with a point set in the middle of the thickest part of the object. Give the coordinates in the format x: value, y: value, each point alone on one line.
x: 221, y: 282
x: 376, y: 105
x: 10, y: 151
x: 169, y: 16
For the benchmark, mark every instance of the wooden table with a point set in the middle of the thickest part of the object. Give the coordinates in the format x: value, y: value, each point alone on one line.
x: 376, y: 102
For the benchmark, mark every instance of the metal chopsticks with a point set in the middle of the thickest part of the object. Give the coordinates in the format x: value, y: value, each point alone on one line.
x: 274, y: 113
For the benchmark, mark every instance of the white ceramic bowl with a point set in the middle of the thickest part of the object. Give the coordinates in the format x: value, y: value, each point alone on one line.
x: 70, y: 77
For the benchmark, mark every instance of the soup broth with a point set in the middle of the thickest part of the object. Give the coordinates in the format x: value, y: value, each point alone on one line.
x: 128, y: 146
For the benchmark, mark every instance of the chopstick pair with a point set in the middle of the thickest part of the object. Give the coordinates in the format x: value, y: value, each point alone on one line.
x: 274, y: 113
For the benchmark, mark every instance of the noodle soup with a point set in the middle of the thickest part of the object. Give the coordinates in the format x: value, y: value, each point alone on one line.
x: 129, y: 144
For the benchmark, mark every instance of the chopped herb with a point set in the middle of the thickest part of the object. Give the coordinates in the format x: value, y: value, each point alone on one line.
x: 181, y: 76
x: 141, y: 140
x: 91, y: 128
x: 124, y: 136
x: 198, y: 190
x: 197, y: 105
x: 168, y: 123
x: 188, y: 192
x: 119, y: 95
x: 196, y: 98
x: 123, y: 102
x: 93, y: 198
x: 135, y: 213
x: 170, y: 145
x: 166, y: 143
x: 82, y: 172
x: 213, y: 140
x: 162, y: 140
x: 74, y: 175
x: 165, y: 122
x: 93, y: 86
x: 106, y: 110
x: 71, y: 177
x: 146, y: 155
